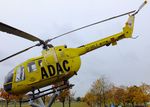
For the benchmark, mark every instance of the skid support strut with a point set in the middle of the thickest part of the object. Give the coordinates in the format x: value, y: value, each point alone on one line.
x: 41, y: 103
x: 55, y: 93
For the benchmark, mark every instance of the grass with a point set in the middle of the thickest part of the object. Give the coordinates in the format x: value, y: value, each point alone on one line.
x: 73, y: 104
x: 56, y: 104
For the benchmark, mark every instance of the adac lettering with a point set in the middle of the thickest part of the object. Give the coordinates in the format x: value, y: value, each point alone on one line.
x: 53, y: 70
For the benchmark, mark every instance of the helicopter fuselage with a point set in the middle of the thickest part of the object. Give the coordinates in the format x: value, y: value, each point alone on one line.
x: 57, y: 64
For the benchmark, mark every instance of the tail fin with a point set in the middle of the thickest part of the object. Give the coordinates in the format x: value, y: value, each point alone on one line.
x: 128, y: 29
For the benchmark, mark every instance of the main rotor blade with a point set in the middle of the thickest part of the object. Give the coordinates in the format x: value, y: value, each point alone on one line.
x: 17, y: 32
x: 141, y: 6
x: 91, y: 25
x: 18, y: 53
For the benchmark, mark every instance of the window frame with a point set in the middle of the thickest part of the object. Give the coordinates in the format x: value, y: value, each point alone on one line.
x: 40, y: 62
x: 31, y: 68
x: 20, y: 72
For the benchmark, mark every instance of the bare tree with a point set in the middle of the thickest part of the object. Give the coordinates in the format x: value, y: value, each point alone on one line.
x: 99, y: 88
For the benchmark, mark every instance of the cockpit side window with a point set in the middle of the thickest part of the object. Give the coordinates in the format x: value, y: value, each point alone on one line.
x: 20, y: 75
x: 32, y: 67
x: 9, y: 77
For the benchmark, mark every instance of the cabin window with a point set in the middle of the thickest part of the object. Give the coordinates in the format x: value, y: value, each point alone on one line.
x: 40, y: 63
x: 20, y: 75
x: 32, y: 67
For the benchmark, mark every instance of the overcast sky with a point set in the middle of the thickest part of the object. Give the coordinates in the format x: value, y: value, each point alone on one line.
x: 127, y: 63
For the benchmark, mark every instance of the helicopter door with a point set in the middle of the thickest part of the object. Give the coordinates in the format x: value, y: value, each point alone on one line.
x: 20, y: 75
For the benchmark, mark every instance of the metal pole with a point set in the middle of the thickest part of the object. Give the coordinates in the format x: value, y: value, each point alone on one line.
x: 53, y: 98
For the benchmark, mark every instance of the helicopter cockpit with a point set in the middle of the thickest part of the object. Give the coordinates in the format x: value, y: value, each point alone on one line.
x: 8, y: 81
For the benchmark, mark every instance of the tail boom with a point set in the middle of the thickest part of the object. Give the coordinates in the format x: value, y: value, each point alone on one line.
x: 126, y: 33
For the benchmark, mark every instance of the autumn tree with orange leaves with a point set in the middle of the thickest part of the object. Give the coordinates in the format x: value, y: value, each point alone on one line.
x: 120, y: 96
x: 8, y: 97
x: 124, y: 96
x: 136, y: 95
x: 63, y: 96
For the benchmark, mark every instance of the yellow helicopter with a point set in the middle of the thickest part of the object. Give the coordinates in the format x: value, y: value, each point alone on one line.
x: 57, y: 63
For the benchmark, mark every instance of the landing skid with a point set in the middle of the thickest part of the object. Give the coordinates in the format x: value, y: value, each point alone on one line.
x: 55, y: 91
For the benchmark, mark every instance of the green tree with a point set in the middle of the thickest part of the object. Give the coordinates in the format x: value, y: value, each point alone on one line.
x: 78, y: 99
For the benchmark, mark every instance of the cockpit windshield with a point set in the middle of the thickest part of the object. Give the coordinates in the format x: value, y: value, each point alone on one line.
x: 9, y: 77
